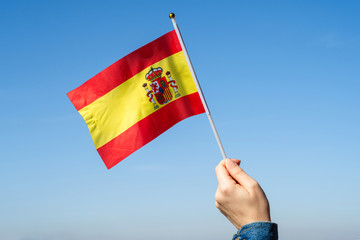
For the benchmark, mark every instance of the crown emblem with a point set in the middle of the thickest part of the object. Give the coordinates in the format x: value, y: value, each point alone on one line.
x: 154, y: 73
x: 161, y: 87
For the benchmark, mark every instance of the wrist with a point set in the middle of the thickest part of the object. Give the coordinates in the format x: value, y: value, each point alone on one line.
x: 257, y: 220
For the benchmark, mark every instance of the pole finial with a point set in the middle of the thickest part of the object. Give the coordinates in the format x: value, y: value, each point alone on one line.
x: 172, y: 15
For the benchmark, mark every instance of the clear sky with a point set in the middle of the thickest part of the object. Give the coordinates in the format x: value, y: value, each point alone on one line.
x: 282, y: 79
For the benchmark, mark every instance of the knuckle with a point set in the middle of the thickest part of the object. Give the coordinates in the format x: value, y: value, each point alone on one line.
x: 226, y: 189
x: 238, y: 171
x: 253, y: 184
x: 218, y: 196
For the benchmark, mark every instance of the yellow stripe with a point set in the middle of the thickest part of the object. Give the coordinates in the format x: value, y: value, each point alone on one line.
x: 125, y: 105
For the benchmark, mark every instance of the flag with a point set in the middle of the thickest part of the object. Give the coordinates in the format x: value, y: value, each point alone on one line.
x: 137, y: 98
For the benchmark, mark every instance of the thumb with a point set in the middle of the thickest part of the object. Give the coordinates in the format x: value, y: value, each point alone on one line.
x: 238, y: 174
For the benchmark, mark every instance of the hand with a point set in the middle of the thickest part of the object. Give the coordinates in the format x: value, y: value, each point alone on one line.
x: 239, y: 197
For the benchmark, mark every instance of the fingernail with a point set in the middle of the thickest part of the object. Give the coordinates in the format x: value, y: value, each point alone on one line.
x: 230, y: 163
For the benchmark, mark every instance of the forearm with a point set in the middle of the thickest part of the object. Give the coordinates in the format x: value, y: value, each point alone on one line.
x: 257, y: 231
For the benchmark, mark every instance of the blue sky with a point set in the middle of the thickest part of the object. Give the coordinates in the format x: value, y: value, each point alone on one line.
x: 281, y: 79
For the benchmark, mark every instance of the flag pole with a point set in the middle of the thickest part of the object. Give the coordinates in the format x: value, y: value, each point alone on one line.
x: 172, y: 17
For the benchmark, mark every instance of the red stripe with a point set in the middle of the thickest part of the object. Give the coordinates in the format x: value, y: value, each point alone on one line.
x: 149, y: 128
x: 124, y: 69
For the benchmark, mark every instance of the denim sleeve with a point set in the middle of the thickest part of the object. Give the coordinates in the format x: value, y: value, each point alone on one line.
x: 257, y: 231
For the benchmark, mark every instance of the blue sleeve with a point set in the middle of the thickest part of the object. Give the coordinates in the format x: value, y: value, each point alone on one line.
x: 257, y: 231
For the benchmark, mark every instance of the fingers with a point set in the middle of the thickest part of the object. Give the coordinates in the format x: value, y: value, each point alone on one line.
x: 222, y: 174
x: 239, y: 175
x: 237, y: 161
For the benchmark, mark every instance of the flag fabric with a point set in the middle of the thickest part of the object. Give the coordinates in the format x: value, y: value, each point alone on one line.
x: 137, y: 98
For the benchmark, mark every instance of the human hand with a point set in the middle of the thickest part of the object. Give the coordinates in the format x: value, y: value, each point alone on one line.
x: 239, y: 197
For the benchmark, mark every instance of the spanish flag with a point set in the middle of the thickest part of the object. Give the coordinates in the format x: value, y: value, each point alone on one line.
x: 137, y: 98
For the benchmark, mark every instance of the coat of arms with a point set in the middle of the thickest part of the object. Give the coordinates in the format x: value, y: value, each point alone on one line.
x: 160, y: 87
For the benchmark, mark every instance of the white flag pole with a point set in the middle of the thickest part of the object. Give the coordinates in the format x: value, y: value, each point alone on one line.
x: 172, y: 17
